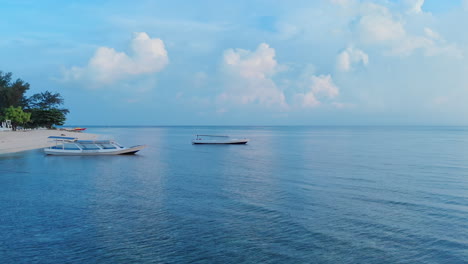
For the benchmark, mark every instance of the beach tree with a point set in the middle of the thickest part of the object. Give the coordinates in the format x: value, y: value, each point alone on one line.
x: 17, y: 116
x: 45, y: 109
x: 12, y: 92
x: 46, y: 100
x: 41, y: 109
x: 47, y: 117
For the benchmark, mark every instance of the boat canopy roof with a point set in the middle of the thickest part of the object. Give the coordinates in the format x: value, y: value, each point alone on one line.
x: 75, y: 140
x: 93, y: 141
x: 62, y: 138
x: 211, y: 136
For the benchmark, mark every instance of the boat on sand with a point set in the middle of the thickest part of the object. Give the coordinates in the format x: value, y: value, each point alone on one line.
x: 75, y: 129
x: 67, y: 146
x: 215, y: 139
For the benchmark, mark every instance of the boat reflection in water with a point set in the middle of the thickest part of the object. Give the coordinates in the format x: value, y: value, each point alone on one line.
x: 67, y: 146
x: 216, y: 139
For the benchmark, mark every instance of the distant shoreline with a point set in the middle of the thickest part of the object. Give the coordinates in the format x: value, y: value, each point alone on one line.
x: 17, y: 141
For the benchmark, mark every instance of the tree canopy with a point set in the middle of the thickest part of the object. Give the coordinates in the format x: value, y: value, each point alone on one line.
x: 17, y: 116
x: 46, y: 118
x: 45, y: 110
x: 12, y: 93
x: 39, y: 110
x: 46, y: 100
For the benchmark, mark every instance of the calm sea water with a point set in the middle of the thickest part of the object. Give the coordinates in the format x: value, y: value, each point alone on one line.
x: 292, y: 195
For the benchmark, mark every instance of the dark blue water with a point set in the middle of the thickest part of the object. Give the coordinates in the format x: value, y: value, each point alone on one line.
x: 292, y: 195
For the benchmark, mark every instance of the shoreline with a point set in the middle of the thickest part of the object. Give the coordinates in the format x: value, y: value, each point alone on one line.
x: 17, y: 141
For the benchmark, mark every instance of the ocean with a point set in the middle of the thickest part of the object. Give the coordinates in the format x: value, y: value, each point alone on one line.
x: 291, y: 195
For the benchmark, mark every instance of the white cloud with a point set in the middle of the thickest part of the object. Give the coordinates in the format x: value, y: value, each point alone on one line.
x: 148, y: 55
x: 413, y: 6
x: 351, y: 56
x: 321, y: 86
x: 308, y: 99
x: 431, y: 44
x: 248, y: 77
x: 378, y: 26
x: 432, y: 34
x: 258, y: 64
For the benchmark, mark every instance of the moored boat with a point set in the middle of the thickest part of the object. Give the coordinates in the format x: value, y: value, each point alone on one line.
x: 67, y: 146
x: 216, y: 139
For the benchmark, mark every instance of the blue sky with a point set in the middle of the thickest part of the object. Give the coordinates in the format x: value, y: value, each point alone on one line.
x: 324, y: 62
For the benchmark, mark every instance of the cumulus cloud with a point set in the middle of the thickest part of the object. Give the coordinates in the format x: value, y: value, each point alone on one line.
x: 378, y: 26
x: 351, y: 56
x: 249, y: 80
x: 147, y: 55
x: 248, y: 76
x: 413, y: 6
x: 431, y: 44
x: 321, y: 86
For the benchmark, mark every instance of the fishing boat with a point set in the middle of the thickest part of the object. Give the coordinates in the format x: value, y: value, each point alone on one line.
x: 216, y: 139
x: 66, y: 146
x: 75, y: 129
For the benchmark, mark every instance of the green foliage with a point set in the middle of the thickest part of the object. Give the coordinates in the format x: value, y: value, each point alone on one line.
x: 46, y: 100
x: 44, y: 109
x: 12, y: 93
x: 47, y: 117
x: 41, y: 109
x: 17, y: 116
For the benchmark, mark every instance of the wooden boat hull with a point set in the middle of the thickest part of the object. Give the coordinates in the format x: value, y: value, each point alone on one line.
x: 124, y: 151
x: 221, y: 142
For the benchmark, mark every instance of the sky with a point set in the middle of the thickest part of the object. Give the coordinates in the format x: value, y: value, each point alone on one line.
x: 256, y: 62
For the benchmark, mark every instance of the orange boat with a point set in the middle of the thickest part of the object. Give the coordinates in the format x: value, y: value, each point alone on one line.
x: 79, y: 129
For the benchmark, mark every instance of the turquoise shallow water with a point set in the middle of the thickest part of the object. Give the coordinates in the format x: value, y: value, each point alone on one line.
x: 292, y: 195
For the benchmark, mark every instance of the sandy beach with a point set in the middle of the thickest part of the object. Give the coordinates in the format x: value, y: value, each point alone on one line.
x: 16, y: 141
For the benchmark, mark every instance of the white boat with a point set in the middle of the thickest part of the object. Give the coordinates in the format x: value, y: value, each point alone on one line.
x: 215, y: 139
x: 65, y: 146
